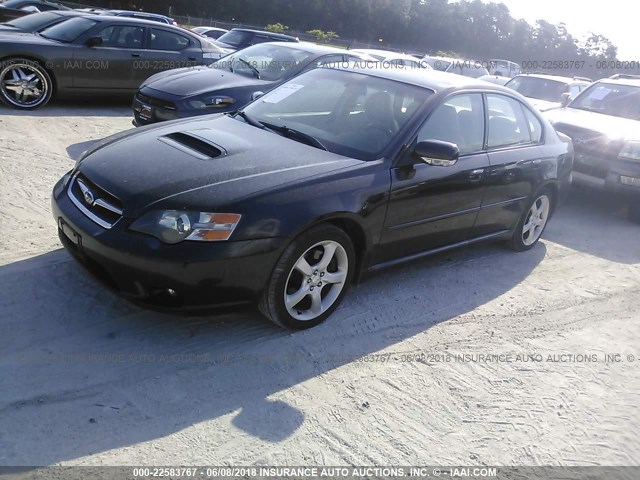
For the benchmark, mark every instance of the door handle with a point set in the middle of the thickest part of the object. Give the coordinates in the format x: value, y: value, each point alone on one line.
x: 476, y: 175
x: 135, y: 55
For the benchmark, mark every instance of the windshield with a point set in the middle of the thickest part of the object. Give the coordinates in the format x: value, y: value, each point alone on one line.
x: 234, y: 38
x: 31, y: 23
x: 266, y: 61
x: 349, y: 113
x: 539, y: 88
x: 610, y: 99
x: 69, y: 30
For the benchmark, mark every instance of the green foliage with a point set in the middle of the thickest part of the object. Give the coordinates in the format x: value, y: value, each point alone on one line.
x: 322, y: 36
x: 276, y: 27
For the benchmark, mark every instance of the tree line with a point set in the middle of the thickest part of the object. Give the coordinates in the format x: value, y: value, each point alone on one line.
x: 468, y: 28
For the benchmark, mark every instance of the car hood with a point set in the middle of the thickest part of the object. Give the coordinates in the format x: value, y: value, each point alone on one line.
x: 175, y: 165
x: 568, y: 120
x: 25, y: 37
x: 188, y: 82
x: 543, y: 105
x: 9, y: 29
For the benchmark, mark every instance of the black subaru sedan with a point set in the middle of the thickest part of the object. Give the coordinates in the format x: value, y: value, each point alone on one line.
x: 339, y: 172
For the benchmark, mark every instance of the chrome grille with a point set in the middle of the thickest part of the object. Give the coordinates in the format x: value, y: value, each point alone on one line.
x: 96, y: 203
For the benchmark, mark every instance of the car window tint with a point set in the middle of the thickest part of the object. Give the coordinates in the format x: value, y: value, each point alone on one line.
x: 507, y: 123
x: 351, y: 114
x: 166, y: 40
x: 122, y: 36
x: 535, y: 127
x: 460, y: 120
x: 328, y: 60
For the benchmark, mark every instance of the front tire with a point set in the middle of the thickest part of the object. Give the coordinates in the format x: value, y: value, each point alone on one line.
x: 25, y: 84
x: 310, y: 278
x: 532, y: 223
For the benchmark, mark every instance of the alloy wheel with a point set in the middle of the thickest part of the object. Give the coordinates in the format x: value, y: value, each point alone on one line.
x: 536, y: 220
x: 24, y: 85
x: 316, y: 280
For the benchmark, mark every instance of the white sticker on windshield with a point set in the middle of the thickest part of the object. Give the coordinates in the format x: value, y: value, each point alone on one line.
x: 283, y: 92
x: 599, y: 93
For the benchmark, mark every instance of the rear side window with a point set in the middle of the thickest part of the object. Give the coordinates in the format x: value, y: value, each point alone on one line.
x: 535, y: 127
x: 507, y: 123
x: 166, y: 40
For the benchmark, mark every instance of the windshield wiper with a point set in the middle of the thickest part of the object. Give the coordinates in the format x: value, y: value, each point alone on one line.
x: 296, y: 135
x: 250, y: 120
x: 255, y: 71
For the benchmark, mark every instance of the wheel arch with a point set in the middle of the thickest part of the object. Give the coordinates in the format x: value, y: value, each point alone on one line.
x: 354, y: 230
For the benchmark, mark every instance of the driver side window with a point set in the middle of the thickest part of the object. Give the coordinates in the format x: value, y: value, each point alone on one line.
x: 459, y: 120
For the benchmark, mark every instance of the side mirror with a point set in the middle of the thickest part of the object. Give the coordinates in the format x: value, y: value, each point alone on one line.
x: 256, y: 95
x: 437, y: 153
x: 565, y: 98
x: 94, y: 42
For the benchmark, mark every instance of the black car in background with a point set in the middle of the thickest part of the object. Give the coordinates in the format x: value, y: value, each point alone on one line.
x: 604, y: 123
x: 239, y: 38
x: 230, y: 83
x: 338, y: 172
x: 93, y: 55
x: 38, y: 21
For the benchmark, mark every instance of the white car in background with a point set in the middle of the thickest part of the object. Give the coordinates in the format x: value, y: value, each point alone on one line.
x: 211, y: 32
x: 547, y: 92
x: 459, y: 66
x: 393, y: 58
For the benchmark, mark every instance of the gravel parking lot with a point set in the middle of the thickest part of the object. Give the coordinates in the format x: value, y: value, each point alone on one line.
x: 476, y: 357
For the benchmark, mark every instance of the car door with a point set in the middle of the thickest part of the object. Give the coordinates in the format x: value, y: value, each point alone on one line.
x: 110, y: 65
x: 516, y: 163
x: 167, y: 49
x: 432, y: 206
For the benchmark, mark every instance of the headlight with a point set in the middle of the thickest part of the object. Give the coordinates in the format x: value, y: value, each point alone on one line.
x: 630, y: 151
x: 173, y: 226
x: 218, y: 101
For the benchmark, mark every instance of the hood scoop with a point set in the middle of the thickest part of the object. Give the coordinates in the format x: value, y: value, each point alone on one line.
x: 193, y: 144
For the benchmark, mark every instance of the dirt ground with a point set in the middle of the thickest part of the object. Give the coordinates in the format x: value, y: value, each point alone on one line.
x: 476, y: 357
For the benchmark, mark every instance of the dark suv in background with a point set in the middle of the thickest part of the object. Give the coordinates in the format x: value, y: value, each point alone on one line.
x: 604, y: 123
x: 239, y: 38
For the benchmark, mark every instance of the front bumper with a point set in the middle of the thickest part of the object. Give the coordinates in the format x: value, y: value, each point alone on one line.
x: 189, y: 275
x: 622, y: 178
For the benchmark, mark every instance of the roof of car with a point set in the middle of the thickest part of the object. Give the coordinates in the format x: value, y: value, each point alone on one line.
x: 631, y: 82
x: 386, y: 53
x: 262, y: 32
x: 557, y: 78
x: 432, y: 79
x: 141, y: 21
x: 308, y: 47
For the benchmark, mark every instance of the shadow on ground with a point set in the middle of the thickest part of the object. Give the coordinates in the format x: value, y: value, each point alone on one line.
x: 596, y: 223
x: 83, y: 371
x: 78, y: 107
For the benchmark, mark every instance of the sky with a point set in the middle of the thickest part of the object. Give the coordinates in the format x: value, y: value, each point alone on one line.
x: 617, y: 20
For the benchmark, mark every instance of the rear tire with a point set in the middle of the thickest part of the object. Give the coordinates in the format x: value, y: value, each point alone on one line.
x: 310, y: 278
x: 533, y: 222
